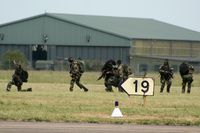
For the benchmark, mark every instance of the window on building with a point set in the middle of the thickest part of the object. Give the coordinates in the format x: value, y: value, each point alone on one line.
x: 143, y: 67
x: 156, y: 67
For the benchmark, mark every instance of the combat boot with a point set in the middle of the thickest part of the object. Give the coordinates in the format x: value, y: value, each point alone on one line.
x: 7, y: 89
x: 162, y: 81
x: 162, y: 87
x: 19, y: 88
x: 183, y: 89
x: 189, y: 88
x: 70, y: 89
x: 81, y: 86
x: 9, y: 86
x: 71, y: 86
x: 85, y: 89
x: 168, y: 89
x: 29, y: 89
x: 120, y: 89
x: 109, y: 89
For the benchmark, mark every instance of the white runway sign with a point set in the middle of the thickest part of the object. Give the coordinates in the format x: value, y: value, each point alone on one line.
x: 139, y: 86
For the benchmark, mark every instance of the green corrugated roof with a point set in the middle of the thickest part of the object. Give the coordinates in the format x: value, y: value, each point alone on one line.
x: 133, y: 28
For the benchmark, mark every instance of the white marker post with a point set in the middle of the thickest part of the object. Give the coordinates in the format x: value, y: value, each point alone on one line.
x: 116, y: 112
x: 139, y: 86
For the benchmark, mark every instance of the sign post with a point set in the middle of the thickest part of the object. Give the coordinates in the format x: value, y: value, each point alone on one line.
x: 139, y: 86
x: 144, y: 100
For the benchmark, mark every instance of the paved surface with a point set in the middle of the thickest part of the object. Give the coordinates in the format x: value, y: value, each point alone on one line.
x: 44, y: 127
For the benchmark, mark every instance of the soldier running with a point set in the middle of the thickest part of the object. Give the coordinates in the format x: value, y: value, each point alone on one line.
x: 76, y: 72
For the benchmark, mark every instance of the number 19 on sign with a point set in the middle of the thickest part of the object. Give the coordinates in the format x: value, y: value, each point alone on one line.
x: 144, y: 85
x: 139, y: 86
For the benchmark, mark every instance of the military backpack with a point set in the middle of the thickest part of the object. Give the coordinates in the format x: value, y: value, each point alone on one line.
x: 24, y: 76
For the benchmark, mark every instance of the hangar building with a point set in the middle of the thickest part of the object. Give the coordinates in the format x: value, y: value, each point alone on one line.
x: 142, y: 43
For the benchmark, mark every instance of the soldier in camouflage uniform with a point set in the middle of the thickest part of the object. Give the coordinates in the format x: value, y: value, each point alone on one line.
x: 76, y: 72
x: 123, y: 73
x: 186, y: 70
x: 166, y: 75
x: 110, y: 73
x: 18, y: 78
x: 111, y: 79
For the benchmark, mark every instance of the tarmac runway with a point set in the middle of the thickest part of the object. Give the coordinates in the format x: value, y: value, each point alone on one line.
x: 46, y: 127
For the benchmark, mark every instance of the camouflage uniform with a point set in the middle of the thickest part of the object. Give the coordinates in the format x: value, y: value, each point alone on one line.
x: 111, y: 79
x: 109, y: 73
x: 166, y: 75
x: 123, y: 72
x: 76, y: 73
x: 18, y: 78
x: 186, y: 71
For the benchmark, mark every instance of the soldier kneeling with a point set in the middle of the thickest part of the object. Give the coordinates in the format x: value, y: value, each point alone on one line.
x: 18, y: 78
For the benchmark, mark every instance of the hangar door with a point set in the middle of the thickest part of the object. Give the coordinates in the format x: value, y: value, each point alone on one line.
x: 39, y: 52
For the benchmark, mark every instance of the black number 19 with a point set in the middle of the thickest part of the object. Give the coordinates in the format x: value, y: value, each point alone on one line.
x: 144, y: 84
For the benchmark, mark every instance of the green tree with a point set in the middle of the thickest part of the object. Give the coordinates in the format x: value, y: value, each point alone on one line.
x: 10, y: 56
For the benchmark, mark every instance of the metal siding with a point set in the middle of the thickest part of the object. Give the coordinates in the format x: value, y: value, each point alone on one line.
x: 78, y: 51
x: 98, y: 53
x: 125, y: 55
x: 51, y: 52
x: 93, y: 53
x: 104, y: 53
x: 109, y: 53
x: 116, y: 53
x: 86, y: 52
x: 64, y: 40
x: 58, y: 33
x: 59, y: 52
x: 27, y: 32
x: 22, y: 48
x: 72, y: 52
x: 66, y: 51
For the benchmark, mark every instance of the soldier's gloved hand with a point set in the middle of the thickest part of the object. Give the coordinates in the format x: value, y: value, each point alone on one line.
x: 161, y: 71
x: 108, y: 72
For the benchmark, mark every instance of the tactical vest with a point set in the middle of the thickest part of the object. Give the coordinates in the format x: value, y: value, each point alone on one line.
x: 75, y: 67
x: 184, y: 69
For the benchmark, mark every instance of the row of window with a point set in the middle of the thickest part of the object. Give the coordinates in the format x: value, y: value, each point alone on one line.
x: 146, y: 67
